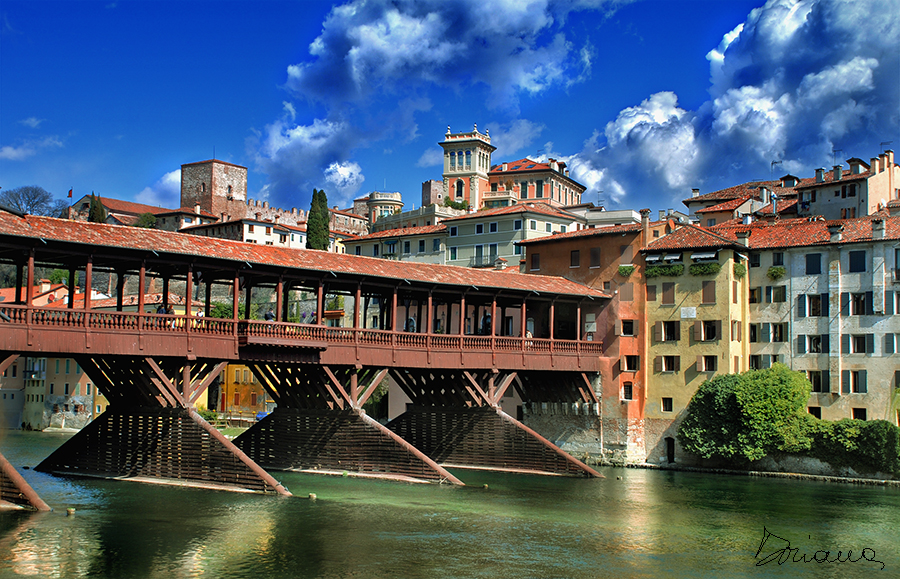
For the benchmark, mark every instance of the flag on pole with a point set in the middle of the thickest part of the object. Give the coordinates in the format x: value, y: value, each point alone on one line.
x: 70, y: 193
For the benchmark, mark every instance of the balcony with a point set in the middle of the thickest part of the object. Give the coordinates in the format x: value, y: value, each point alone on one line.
x: 482, y: 261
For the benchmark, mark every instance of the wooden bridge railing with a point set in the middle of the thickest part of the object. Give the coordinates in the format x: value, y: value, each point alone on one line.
x: 149, y: 323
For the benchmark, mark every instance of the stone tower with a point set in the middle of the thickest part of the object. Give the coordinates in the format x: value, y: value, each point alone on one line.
x: 467, y: 161
x: 216, y: 186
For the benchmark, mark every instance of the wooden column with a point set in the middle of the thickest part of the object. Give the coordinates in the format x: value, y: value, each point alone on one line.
x: 430, y: 313
x: 578, y: 322
x: 552, y: 317
x: 524, y: 320
x: 72, y: 289
x: 142, y: 282
x: 235, y: 297
x: 88, y: 286
x: 462, y: 315
x: 19, y: 266
x: 279, y: 300
x: 29, y: 280
x: 120, y: 290
x: 165, y: 297
x: 394, y: 310
x: 320, y: 303
x: 189, y: 298
x: 357, y: 302
x: 493, y: 316
x: 249, y: 289
x: 208, y: 298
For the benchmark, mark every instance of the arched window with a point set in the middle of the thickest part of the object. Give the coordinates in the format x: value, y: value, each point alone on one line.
x: 459, y: 188
x: 468, y: 159
x: 452, y: 159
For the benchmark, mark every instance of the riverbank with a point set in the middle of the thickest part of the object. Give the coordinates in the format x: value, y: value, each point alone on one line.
x: 768, y: 474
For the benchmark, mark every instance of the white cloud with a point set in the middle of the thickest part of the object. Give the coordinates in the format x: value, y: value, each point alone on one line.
x: 29, y: 148
x: 345, y: 177
x: 164, y: 193
x: 32, y: 122
x: 433, y: 157
x: 513, y: 137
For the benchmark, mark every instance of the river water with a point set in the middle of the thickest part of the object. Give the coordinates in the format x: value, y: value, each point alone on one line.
x: 633, y: 524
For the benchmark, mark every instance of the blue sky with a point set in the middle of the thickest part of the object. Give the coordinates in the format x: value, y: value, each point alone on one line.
x: 644, y: 100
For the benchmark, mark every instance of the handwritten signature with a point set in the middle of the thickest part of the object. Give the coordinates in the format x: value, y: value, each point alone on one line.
x: 787, y: 553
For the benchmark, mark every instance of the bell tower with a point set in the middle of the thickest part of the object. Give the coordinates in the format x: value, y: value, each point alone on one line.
x: 467, y: 161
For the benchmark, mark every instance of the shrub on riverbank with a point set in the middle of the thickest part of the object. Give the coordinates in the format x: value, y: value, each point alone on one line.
x: 744, y: 417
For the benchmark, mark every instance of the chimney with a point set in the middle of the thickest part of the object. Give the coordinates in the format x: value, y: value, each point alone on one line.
x: 873, y: 165
x: 197, y: 209
x: 747, y: 219
x: 877, y: 229
x: 505, y: 166
x: 743, y: 238
x: 645, y: 227
x: 889, y: 155
x: 276, y: 217
x: 820, y: 175
x: 837, y: 173
x: 834, y: 232
x: 554, y: 165
x: 764, y: 195
x: 695, y: 192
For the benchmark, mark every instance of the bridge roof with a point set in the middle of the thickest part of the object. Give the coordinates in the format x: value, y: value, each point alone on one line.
x: 121, y: 238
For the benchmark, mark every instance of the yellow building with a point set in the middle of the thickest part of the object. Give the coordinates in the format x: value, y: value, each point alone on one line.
x: 241, y: 396
x: 696, y: 325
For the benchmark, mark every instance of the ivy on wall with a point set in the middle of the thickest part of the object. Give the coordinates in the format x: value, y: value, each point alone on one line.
x: 626, y: 270
x: 705, y: 268
x: 776, y: 272
x: 740, y: 270
x: 667, y: 270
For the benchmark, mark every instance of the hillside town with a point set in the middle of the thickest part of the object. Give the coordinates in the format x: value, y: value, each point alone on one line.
x: 801, y: 270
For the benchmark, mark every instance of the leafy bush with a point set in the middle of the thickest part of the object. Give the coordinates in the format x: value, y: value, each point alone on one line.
x: 458, y: 205
x: 704, y: 268
x: 776, y: 272
x: 672, y: 270
x: 743, y: 417
x: 626, y: 270
x: 207, y: 414
x: 740, y: 270
x: 862, y: 445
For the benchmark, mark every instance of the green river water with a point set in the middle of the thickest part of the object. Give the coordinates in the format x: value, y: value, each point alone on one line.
x: 647, y: 524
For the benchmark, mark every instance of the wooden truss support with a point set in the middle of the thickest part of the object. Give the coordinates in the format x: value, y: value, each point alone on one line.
x: 6, y: 360
x: 322, y: 387
x: 14, y: 490
x: 151, y: 433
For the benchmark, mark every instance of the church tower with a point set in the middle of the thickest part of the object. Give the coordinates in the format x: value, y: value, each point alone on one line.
x: 467, y: 161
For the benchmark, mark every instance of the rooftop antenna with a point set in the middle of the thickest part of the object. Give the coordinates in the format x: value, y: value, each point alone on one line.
x: 214, y: 151
x: 600, y: 200
x: 773, y: 168
x: 834, y: 153
x: 885, y: 143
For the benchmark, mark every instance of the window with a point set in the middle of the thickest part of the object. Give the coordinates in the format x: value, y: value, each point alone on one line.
x: 813, y: 263
x: 710, y: 222
x: 857, y: 261
x: 755, y: 362
x: 707, y: 363
x: 532, y: 225
x: 563, y: 228
x: 668, y: 293
x: 777, y: 258
x: 548, y: 227
x: 250, y: 228
x: 857, y: 304
x: 436, y: 244
x: 667, y: 405
x: 574, y: 258
x: 66, y: 389
x: 707, y: 330
x: 517, y: 249
x: 709, y: 292
x: 627, y: 391
x: 375, y: 250
x: 237, y: 399
x: 818, y: 379
x: 813, y: 344
x: 87, y: 389
x: 453, y: 231
x: 815, y: 303
x: 268, y: 231
x: 627, y: 255
x: 626, y: 292
x: 668, y: 331
x: 595, y: 257
x: 253, y: 399
x: 535, y: 261
x: 405, y: 247
x: 754, y: 333
x: 492, y: 227
x: 517, y: 225
x: 754, y: 260
x: 539, y: 189
x: 755, y: 295
x: 853, y: 382
x: 857, y: 343
x: 51, y: 388
x: 628, y: 328
x: 859, y: 414
x: 237, y: 375
x: 68, y: 365
x: 776, y: 294
x: 815, y: 411
x: 736, y: 330
x: 632, y: 363
x: 479, y: 228
x: 651, y: 293
x: 667, y: 364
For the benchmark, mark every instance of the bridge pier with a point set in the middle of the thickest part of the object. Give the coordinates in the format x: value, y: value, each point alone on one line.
x: 150, y: 432
x: 319, y: 426
x: 456, y: 419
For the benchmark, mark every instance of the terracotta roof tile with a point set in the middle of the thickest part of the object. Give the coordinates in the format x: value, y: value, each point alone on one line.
x: 808, y: 232
x: 98, y: 235
x: 404, y: 232
x: 729, y: 205
x: 692, y: 237
x: 595, y: 232
x: 541, y: 208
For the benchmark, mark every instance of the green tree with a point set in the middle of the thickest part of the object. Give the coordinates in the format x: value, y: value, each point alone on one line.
x: 743, y: 417
x: 97, y: 213
x: 317, y: 232
x: 146, y: 220
x: 59, y: 276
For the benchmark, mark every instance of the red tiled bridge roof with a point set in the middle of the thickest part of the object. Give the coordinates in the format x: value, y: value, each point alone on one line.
x: 132, y: 238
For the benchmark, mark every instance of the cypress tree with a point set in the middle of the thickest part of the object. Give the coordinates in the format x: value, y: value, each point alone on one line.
x: 317, y: 232
x: 97, y: 212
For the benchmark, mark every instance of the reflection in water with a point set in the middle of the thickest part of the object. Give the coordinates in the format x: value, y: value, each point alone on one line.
x: 648, y: 524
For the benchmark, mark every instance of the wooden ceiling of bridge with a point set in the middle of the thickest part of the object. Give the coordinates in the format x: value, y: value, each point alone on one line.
x: 52, y: 234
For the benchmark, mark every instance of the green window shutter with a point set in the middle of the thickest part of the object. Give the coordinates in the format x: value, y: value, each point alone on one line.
x: 845, y: 303
x: 801, y: 344
x: 845, y: 381
x: 889, y: 303
x: 862, y: 382
x: 870, y: 303
x: 870, y: 343
x: 825, y: 305
x: 889, y: 343
x: 845, y: 343
x: 801, y: 306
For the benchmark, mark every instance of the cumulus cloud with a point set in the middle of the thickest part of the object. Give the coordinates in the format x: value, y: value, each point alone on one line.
x: 433, y: 157
x: 164, y: 193
x: 512, y: 137
x: 29, y: 148
x: 345, y: 178
x: 367, y: 47
x: 797, y: 79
